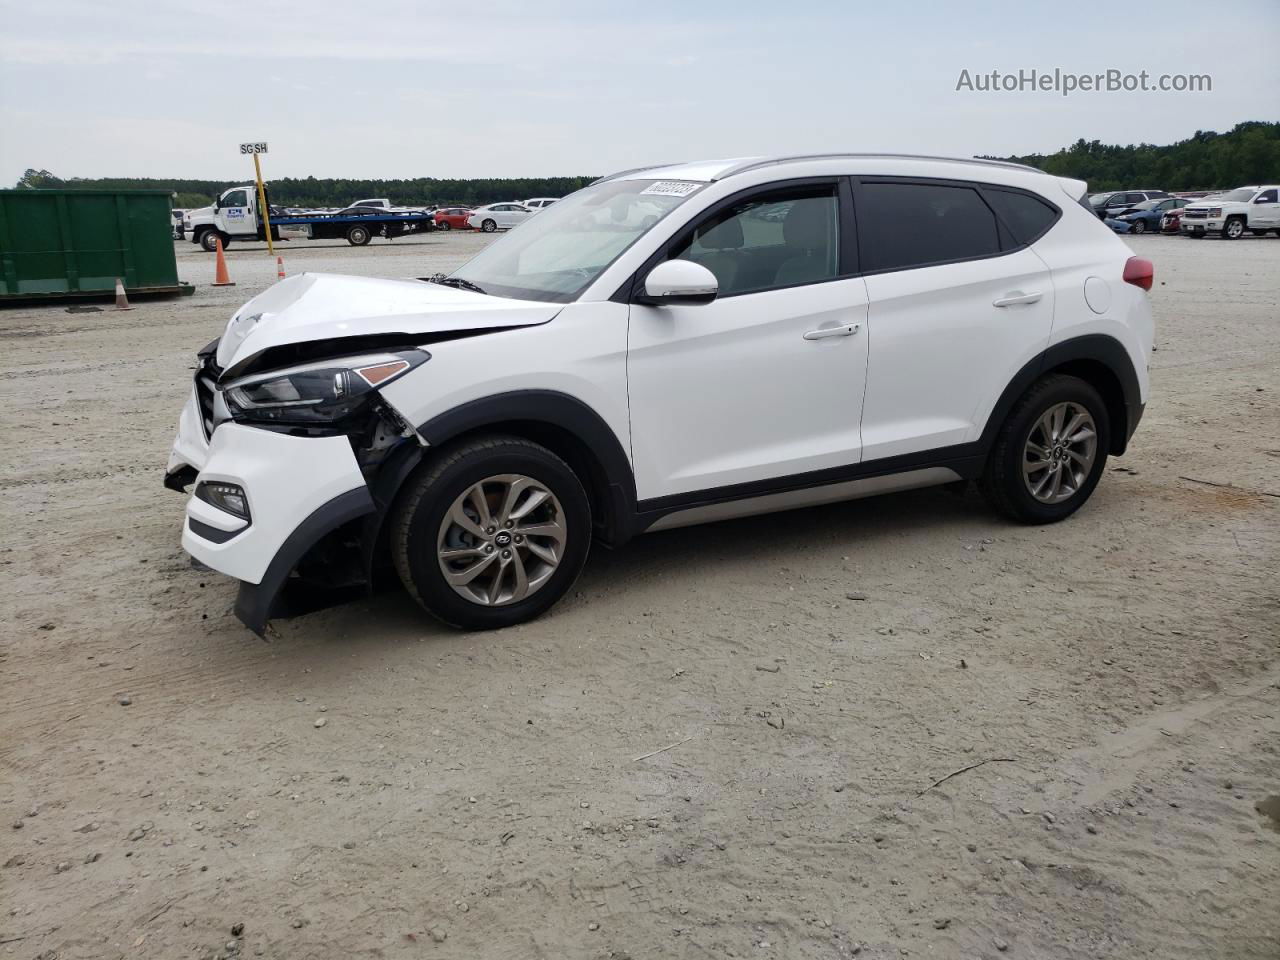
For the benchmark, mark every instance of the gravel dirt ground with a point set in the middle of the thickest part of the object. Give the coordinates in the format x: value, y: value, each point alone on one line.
x: 895, y: 727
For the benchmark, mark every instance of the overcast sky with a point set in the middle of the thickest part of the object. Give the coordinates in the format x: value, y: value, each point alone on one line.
x: 404, y: 88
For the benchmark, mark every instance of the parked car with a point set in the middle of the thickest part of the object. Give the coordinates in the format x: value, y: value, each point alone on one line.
x: 1118, y: 202
x: 499, y: 216
x: 1119, y: 226
x: 1146, y: 216
x: 453, y: 218
x: 540, y: 203
x: 1171, y: 221
x: 1256, y: 209
x: 649, y: 353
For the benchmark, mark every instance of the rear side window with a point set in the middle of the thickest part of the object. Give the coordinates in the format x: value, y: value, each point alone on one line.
x: 913, y: 224
x: 1026, y: 217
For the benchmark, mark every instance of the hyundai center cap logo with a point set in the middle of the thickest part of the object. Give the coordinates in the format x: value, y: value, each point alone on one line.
x: 503, y: 539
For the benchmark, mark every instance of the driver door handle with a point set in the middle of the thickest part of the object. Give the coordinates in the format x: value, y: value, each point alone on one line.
x: 845, y: 330
x: 1016, y: 298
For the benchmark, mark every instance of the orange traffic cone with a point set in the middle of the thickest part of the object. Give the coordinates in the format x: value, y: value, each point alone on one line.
x: 279, y: 268
x: 122, y: 301
x: 220, y: 277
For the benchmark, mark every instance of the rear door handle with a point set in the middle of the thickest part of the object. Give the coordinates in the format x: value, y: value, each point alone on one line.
x: 1014, y: 299
x: 847, y: 330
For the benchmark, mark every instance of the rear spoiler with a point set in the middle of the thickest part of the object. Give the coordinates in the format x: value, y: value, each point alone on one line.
x: 1077, y: 190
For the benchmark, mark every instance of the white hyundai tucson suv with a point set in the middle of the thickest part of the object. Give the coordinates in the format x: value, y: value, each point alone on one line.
x: 670, y: 345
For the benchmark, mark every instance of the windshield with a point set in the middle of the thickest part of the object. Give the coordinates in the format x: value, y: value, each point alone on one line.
x: 560, y: 252
x: 1240, y: 193
x: 1148, y: 204
x: 1098, y: 197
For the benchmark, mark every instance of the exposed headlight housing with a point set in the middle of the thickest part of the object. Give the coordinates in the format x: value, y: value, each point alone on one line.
x: 317, y: 394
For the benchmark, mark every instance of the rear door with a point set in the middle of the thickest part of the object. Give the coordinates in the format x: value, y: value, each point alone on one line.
x: 1264, y: 210
x: 959, y: 302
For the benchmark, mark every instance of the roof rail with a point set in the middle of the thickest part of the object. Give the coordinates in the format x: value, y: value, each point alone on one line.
x: 756, y: 164
x: 623, y: 173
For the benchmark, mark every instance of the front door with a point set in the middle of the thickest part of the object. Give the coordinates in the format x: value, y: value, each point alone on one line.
x: 766, y: 381
x: 236, y: 212
x: 1264, y: 210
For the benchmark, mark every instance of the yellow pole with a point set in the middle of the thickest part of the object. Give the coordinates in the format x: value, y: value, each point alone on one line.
x: 262, y: 205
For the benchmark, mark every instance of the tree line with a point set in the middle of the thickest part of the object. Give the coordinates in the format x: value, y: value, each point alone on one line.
x: 1248, y: 153
x: 329, y: 192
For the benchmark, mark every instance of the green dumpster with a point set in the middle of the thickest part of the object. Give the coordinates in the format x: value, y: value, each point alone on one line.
x: 67, y: 243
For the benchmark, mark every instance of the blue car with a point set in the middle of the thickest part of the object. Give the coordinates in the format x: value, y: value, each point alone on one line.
x: 1119, y: 226
x: 1146, y: 216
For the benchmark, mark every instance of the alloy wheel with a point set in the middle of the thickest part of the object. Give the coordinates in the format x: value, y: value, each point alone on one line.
x: 1059, y: 452
x: 501, y: 540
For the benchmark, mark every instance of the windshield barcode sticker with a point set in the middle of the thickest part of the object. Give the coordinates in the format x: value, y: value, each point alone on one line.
x: 671, y: 188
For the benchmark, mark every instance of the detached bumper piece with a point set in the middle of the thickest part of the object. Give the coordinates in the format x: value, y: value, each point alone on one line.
x: 257, y: 603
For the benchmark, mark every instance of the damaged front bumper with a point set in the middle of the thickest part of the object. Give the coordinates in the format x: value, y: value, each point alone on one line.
x: 297, y: 490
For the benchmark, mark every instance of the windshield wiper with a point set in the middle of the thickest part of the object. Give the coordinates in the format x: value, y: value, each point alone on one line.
x: 456, y: 282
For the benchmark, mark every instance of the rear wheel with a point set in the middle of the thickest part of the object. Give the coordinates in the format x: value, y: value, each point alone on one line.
x: 488, y: 226
x: 1233, y: 229
x: 358, y: 236
x: 492, y: 533
x: 1050, y: 452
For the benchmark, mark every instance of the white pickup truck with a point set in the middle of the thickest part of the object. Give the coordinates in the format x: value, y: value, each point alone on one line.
x: 1230, y: 214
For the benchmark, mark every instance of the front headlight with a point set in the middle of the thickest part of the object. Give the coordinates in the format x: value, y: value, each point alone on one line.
x: 1215, y: 212
x: 321, y: 393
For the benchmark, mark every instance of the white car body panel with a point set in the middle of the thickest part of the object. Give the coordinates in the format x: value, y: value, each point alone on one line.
x: 731, y: 391
x: 582, y: 354
x: 935, y: 332
x: 320, y: 306
x: 285, y: 479
x: 504, y: 219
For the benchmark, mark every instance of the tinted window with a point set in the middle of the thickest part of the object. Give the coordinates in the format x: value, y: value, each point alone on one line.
x: 776, y: 239
x: 1026, y: 217
x: 911, y: 224
x: 1268, y: 196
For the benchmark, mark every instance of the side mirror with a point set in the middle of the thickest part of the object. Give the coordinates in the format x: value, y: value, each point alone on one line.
x: 680, y: 281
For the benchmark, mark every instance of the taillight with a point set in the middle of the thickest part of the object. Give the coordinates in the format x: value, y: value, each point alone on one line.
x: 1139, y: 271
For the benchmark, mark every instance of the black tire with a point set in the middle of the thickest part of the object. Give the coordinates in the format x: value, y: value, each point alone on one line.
x: 488, y: 226
x: 1138, y: 226
x: 358, y: 235
x: 430, y: 493
x: 1233, y: 229
x: 208, y: 240
x: 1004, y: 480
x: 444, y: 226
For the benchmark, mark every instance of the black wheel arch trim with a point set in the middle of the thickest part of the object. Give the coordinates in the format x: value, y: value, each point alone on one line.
x: 616, y: 484
x: 1097, y: 348
x: 255, y: 600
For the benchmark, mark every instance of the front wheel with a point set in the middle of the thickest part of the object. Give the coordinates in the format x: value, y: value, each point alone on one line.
x: 488, y: 226
x: 1050, y: 452
x: 1138, y: 226
x: 1234, y: 229
x: 492, y: 533
x: 209, y: 240
x: 444, y: 226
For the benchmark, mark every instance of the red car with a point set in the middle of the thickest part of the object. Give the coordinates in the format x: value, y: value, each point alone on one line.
x: 1171, y: 222
x: 453, y: 218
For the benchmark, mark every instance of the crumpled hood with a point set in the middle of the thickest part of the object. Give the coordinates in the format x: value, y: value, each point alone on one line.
x: 323, y: 306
